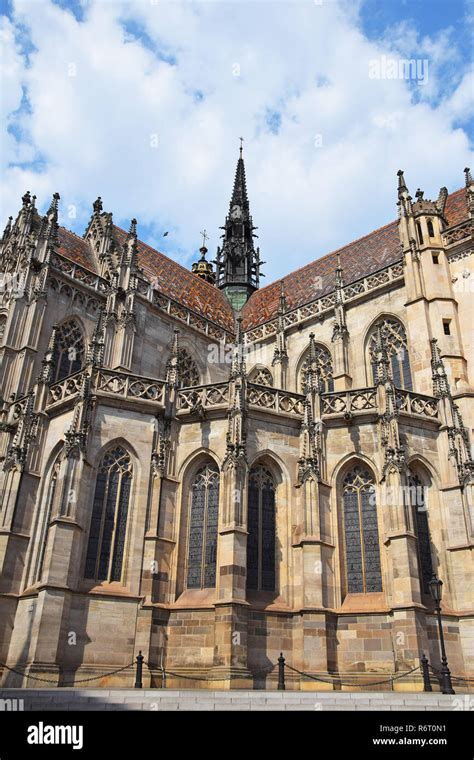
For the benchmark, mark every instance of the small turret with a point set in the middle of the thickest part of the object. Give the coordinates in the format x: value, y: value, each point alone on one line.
x: 203, y: 268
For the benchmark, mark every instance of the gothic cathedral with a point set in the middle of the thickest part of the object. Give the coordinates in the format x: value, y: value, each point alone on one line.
x: 212, y: 472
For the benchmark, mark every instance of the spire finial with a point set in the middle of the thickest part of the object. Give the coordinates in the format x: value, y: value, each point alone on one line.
x: 133, y: 228
x: 241, y: 146
x: 205, y: 237
x: 402, y: 188
x: 97, y: 205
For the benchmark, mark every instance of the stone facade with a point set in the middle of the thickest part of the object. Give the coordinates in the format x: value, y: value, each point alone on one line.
x: 214, y: 487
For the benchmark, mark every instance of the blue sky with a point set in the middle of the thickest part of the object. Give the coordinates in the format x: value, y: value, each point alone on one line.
x: 143, y: 103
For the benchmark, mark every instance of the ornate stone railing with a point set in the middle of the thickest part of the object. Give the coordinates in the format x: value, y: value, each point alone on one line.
x: 203, y: 397
x: 216, y: 396
x: 326, y: 303
x: 349, y: 402
x: 458, y: 233
x: 145, y: 289
x: 111, y: 383
x: 275, y: 400
x: 65, y: 388
x: 415, y: 403
x: 130, y: 386
x: 79, y: 273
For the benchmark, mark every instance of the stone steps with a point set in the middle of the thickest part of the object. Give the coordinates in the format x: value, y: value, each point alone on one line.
x: 191, y: 699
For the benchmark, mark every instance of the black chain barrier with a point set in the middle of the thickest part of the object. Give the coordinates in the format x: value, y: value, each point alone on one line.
x: 436, y: 671
x: 352, y: 683
x: 281, y: 664
x: 80, y: 680
x: 231, y: 676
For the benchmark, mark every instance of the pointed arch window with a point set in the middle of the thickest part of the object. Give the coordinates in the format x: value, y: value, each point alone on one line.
x: 106, y: 546
x: 324, y: 362
x: 48, y: 509
x: 396, y: 344
x: 69, y: 352
x: 261, y: 530
x: 261, y: 376
x: 188, y: 372
x: 203, y: 522
x: 361, y: 536
x: 419, y: 507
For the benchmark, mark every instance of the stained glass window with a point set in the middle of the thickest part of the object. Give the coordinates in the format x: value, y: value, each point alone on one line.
x: 420, y: 520
x: 324, y: 361
x: 261, y: 531
x: 69, y: 350
x: 396, y: 344
x: 361, y: 537
x: 203, y: 523
x: 106, y: 546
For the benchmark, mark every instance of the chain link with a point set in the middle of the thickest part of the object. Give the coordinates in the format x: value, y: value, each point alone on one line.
x: 80, y: 680
x: 265, y: 671
x: 352, y: 683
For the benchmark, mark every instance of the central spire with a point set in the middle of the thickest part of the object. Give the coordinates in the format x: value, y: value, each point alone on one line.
x: 238, y: 262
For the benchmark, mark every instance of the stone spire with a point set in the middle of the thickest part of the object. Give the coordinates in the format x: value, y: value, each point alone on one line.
x: 172, y: 369
x: 280, y: 354
x: 441, y: 387
x: 48, y: 362
x: 95, y: 352
x: 238, y: 262
x: 380, y: 359
x: 310, y: 445
x: 458, y: 437
x: 339, y: 326
x: 236, y: 415
x: 469, y: 191
x: 312, y: 376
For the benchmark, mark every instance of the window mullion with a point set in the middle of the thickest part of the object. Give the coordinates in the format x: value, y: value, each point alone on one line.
x: 114, y: 529
x: 204, y: 534
x: 101, y: 530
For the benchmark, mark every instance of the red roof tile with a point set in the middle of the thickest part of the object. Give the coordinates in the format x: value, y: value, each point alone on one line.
x: 456, y: 208
x: 73, y: 247
x: 178, y: 283
x: 375, y: 251
x: 358, y: 259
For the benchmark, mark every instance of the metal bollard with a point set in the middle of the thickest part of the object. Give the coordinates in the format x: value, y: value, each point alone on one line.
x: 281, y: 672
x: 425, y: 667
x: 138, y: 674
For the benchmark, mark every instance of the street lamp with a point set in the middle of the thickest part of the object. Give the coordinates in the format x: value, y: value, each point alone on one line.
x: 436, y: 589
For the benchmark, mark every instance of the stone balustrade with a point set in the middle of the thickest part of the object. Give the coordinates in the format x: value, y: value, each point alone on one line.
x: 275, y: 400
x: 414, y: 403
x: 262, y: 397
x: 113, y: 383
x: 203, y: 397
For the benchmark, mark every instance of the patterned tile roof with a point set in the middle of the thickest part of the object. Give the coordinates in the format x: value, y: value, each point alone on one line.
x: 358, y: 259
x: 177, y: 282
x: 374, y: 251
x: 76, y: 248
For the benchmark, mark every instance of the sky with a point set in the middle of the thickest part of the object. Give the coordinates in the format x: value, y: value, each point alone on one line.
x: 143, y: 103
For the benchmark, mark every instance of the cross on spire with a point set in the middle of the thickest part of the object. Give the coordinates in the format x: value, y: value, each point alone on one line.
x: 205, y: 237
x: 241, y: 141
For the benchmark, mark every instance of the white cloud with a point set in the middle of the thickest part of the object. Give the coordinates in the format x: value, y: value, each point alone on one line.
x: 305, y: 61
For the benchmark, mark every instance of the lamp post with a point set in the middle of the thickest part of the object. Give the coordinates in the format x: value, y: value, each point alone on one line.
x: 436, y: 587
